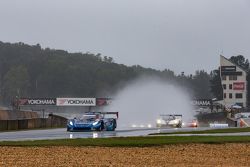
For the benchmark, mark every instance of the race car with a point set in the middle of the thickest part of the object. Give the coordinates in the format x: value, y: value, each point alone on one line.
x: 169, y: 120
x: 94, y: 121
x: 193, y: 123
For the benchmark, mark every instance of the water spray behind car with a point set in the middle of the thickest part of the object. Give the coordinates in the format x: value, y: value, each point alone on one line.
x: 141, y: 102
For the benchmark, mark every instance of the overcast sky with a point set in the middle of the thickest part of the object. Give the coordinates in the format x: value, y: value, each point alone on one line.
x: 181, y: 35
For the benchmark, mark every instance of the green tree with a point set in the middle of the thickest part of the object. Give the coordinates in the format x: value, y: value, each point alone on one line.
x: 215, y: 84
x: 240, y: 61
x: 35, y: 72
x: 201, y: 84
x: 16, y: 82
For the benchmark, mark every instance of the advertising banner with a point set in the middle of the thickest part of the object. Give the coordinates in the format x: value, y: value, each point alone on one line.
x: 103, y: 101
x: 37, y: 101
x: 228, y: 68
x: 238, y: 86
x: 75, y: 101
x: 202, y: 102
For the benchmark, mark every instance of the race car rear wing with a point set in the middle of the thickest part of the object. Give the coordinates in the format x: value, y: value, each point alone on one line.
x: 104, y: 113
x: 111, y: 113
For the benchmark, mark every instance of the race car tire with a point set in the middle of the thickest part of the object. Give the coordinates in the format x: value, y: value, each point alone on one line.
x: 114, y: 124
x: 179, y: 125
x: 101, y: 127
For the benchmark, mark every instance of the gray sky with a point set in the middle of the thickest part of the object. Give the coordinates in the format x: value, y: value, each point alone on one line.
x: 181, y: 35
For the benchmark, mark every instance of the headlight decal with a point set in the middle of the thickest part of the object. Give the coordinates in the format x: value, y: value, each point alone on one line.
x: 71, y: 123
x: 95, y: 123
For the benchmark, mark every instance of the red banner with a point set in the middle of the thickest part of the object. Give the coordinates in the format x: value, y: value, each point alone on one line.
x: 238, y: 86
x: 103, y: 101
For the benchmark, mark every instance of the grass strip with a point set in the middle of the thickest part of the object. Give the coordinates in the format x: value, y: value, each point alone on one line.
x: 227, y: 130
x: 131, y: 141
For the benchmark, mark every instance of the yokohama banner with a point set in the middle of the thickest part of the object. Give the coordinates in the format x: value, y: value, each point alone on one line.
x: 202, y: 102
x: 37, y: 101
x: 75, y: 101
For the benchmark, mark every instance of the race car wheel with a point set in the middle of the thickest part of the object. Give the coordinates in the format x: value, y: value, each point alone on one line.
x: 68, y: 129
x: 101, y: 127
x: 179, y: 125
x: 114, y: 124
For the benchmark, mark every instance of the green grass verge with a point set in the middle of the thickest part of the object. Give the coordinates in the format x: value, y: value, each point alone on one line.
x: 227, y: 130
x: 131, y: 141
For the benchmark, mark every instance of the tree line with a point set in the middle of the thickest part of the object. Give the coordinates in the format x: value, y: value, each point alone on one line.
x: 31, y: 71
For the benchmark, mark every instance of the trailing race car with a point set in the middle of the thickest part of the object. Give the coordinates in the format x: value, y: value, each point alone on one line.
x: 193, y: 124
x: 96, y: 121
x: 169, y: 120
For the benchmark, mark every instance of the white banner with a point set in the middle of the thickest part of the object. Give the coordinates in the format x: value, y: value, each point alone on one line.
x: 75, y: 101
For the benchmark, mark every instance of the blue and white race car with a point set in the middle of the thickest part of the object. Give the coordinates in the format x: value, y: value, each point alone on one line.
x: 94, y: 121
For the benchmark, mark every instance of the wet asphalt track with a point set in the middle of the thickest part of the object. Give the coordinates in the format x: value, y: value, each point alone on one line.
x: 63, y: 134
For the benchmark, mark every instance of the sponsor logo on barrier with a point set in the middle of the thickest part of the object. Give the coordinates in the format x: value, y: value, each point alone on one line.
x: 103, y: 101
x: 75, y: 101
x: 36, y: 101
x: 41, y: 102
x: 202, y: 102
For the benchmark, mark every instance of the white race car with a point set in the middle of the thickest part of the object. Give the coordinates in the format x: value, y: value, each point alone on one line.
x: 169, y: 120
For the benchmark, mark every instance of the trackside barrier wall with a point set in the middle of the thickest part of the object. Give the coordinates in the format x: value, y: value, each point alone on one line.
x: 207, y: 118
x: 23, y: 124
x: 56, y: 121
x: 12, y: 125
x: 52, y: 121
x: 231, y: 122
x: 17, y: 115
x: 3, y: 125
